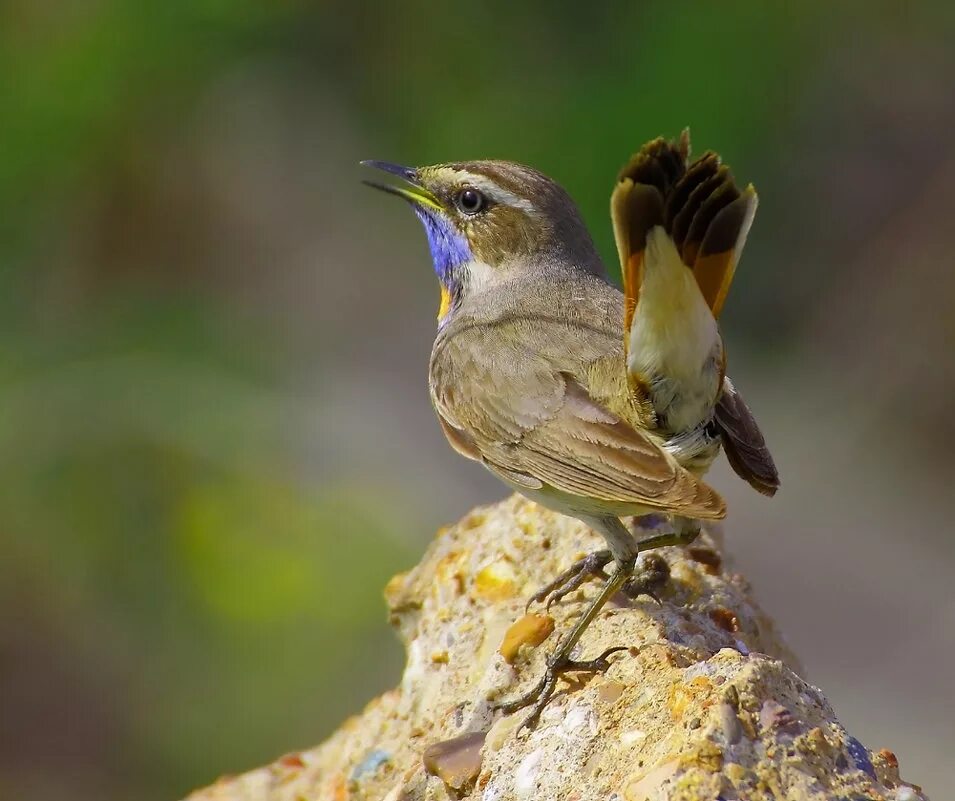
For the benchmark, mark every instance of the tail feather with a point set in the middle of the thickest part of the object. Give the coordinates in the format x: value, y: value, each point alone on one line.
x: 699, y: 206
x: 639, y: 209
x: 706, y: 219
x: 715, y: 263
x: 685, y: 214
x: 707, y: 203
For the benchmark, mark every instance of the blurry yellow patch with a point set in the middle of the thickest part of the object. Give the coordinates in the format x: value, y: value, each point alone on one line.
x: 495, y: 582
x: 450, y: 571
x: 708, y: 757
x: 682, y: 696
x: 399, y: 594
x: 530, y: 630
x: 473, y: 520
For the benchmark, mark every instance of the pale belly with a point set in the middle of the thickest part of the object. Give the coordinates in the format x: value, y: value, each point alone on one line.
x: 579, y: 506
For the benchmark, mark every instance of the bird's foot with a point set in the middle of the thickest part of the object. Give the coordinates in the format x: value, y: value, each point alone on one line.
x: 591, y: 566
x: 651, y: 574
x: 560, y: 662
x: 541, y: 693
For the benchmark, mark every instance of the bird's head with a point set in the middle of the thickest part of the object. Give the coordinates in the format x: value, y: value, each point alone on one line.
x: 489, y: 221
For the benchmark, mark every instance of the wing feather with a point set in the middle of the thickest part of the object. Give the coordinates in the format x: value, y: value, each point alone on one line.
x: 743, y: 442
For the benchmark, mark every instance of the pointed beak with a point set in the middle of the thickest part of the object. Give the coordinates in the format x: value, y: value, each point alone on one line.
x: 414, y: 192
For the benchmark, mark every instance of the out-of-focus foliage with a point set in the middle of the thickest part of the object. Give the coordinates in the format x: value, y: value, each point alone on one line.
x: 214, y: 435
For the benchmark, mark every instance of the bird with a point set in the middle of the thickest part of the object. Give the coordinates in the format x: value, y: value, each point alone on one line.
x: 596, y: 403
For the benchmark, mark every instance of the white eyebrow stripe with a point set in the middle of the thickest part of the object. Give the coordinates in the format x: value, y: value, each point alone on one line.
x: 496, y: 192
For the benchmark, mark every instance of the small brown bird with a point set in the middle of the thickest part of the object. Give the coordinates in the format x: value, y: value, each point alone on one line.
x: 595, y: 403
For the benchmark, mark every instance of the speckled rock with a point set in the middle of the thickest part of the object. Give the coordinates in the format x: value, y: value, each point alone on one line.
x: 706, y: 702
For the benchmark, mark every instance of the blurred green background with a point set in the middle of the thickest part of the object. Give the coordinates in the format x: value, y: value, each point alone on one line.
x: 215, y: 436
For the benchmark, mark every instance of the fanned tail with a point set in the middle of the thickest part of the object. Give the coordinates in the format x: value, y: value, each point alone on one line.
x: 667, y: 210
x: 698, y: 205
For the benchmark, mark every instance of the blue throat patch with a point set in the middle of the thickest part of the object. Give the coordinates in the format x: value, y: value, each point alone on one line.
x: 448, y: 247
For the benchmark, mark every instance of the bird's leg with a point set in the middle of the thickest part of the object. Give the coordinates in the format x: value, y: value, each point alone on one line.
x: 560, y: 662
x: 544, y: 689
x: 654, y: 571
x: 684, y: 532
x: 624, y: 551
x: 590, y: 566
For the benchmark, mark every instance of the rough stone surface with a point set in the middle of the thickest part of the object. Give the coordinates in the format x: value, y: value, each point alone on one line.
x: 706, y: 703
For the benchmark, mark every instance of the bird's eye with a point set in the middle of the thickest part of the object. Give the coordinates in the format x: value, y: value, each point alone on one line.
x: 469, y: 200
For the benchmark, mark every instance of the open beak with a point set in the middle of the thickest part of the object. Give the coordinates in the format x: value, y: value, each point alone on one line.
x: 414, y: 192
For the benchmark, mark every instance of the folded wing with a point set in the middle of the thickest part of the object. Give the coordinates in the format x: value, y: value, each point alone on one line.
x: 535, y: 424
x: 743, y: 442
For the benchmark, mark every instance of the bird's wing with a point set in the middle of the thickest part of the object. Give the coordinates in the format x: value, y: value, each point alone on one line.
x: 532, y: 419
x: 743, y: 442
x: 697, y: 204
x: 587, y: 451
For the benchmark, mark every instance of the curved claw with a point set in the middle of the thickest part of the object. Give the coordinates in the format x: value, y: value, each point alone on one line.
x: 590, y: 566
x: 532, y: 695
x: 602, y: 659
x: 542, y: 692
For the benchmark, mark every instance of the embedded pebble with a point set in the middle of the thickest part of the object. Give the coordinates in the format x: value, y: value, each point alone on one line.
x: 502, y: 731
x: 529, y: 630
x: 773, y: 715
x: 370, y: 764
x: 457, y: 762
x: 890, y: 759
x: 525, y: 778
x: 860, y: 756
x: 293, y: 761
x: 729, y: 723
x: 632, y: 737
x: 578, y: 717
x: 706, y: 556
x: 696, y: 670
x: 641, y: 788
x: 725, y: 618
x: 610, y: 691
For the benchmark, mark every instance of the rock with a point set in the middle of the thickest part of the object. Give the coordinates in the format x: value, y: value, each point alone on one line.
x: 457, y: 761
x: 705, y: 702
